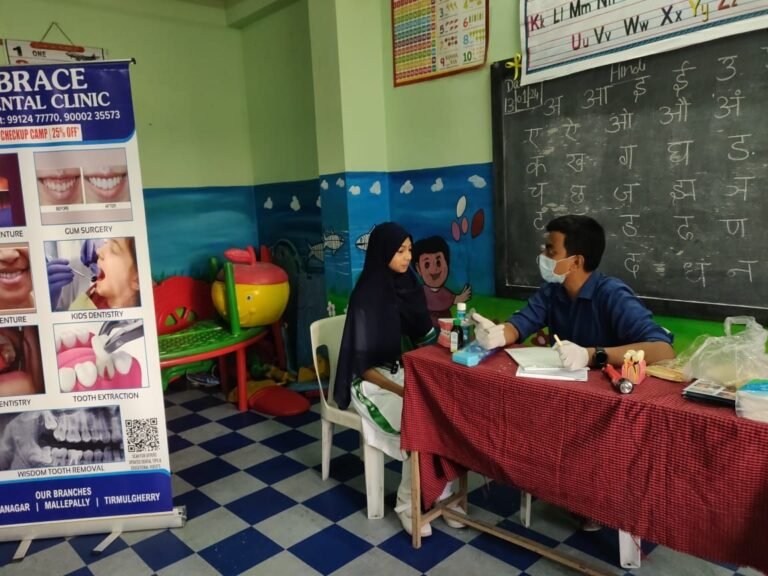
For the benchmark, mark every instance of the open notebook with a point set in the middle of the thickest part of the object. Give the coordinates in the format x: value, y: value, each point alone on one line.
x: 541, y: 362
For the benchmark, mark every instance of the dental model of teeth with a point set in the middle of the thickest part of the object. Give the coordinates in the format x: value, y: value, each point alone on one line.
x: 85, y: 365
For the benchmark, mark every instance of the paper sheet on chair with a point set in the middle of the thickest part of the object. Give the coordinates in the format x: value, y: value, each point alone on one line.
x: 540, y: 362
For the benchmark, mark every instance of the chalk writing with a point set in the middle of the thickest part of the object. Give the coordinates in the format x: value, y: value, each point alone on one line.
x: 732, y: 272
x: 682, y: 230
x: 739, y: 152
x: 728, y: 104
x: 625, y: 194
x: 729, y: 63
x: 685, y: 188
x: 740, y: 189
x: 627, y: 152
x: 678, y: 151
x: 629, y: 228
x: 575, y: 162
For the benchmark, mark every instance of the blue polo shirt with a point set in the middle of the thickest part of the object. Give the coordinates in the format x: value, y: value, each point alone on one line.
x: 605, y: 313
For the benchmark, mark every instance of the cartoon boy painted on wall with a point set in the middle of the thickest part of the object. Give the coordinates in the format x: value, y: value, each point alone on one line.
x: 432, y: 257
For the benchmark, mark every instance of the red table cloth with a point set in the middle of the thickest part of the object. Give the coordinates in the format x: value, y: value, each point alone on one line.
x: 690, y: 476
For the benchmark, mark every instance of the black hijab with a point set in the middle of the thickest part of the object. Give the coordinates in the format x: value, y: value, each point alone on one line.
x: 383, y: 306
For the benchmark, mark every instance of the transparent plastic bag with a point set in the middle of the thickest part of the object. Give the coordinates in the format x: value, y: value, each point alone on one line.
x: 732, y: 359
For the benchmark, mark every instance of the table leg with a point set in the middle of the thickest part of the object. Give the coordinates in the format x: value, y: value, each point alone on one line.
x: 223, y: 374
x: 629, y: 550
x: 415, y: 500
x: 525, y: 509
x: 417, y: 518
x: 242, y: 380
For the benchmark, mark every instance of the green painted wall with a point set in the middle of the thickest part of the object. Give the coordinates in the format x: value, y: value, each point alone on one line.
x: 361, y: 31
x: 326, y: 86
x: 188, y: 85
x: 279, y: 91
x: 446, y: 121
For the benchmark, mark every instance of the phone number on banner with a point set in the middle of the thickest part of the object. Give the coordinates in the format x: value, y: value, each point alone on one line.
x: 81, y: 116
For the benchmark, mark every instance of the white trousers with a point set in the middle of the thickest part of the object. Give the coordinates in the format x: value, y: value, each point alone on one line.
x: 381, y: 412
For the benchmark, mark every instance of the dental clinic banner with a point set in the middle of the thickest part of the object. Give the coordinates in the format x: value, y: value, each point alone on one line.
x: 82, y: 425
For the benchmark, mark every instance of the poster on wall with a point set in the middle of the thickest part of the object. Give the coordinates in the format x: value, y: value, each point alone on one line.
x: 563, y: 38
x: 20, y: 52
x: 82, y: 423
x: 432, y: 38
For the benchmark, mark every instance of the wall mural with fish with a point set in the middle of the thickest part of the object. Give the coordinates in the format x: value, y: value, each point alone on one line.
x: 290, y: 223
x: 318, y: 231
x: 451, y: 207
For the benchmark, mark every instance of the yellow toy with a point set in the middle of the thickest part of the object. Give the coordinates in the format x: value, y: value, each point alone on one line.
x: 261, y: 288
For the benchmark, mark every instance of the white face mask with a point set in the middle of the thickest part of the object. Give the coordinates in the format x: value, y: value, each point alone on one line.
x: 547, y: 269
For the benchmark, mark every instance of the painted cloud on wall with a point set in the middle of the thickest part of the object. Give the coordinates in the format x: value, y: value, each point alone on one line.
x: 375, y: 188
x: 319, y: 202
x: 437, y: 186
x: 340, y: 182
x: 477, y: 181
x: 268, y: 204
x: 295, y: 204
x: 354, y: 190
x: 406, y: 188
x: 324, y: 184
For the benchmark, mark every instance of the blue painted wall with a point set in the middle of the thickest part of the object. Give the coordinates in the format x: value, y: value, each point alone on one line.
x: 186, y: 226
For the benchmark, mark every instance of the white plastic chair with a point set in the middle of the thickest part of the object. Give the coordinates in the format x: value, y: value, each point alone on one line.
x: 327, y: 332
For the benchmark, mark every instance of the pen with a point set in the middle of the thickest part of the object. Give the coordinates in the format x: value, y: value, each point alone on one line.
x: 559, y: 344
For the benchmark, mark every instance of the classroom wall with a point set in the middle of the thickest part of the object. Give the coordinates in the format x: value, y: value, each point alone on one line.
x: 190, y: 102
x: 215, y: 117
x: 277, y: 65
x: 188, y: 86
x: 447, y: 121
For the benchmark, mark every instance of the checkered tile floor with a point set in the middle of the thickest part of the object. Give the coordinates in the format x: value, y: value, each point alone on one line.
x: 256, y: 505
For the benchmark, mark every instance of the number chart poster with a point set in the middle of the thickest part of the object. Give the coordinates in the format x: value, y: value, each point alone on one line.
x: 82, y: 423
x: 562, y: 38
x: 432, y: 38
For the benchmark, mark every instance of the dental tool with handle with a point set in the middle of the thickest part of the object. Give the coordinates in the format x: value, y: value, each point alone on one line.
x: 112, y: 336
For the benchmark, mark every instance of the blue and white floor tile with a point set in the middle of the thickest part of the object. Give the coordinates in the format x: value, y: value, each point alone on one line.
x: 256, y: 506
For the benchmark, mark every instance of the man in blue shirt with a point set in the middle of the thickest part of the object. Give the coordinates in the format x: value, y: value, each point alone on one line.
x: 597, y: 318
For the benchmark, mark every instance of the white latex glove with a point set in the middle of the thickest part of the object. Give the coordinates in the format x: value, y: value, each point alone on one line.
x: 488, y: 334
x: 572, y: 355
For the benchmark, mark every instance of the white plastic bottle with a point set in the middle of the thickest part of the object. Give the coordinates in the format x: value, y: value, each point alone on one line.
x: 461, y: 311
x: 461, y: 315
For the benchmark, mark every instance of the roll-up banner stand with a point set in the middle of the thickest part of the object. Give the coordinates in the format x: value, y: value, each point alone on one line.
x: 83, y: 447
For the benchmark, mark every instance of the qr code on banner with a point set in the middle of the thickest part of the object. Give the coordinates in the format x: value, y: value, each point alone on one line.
x: 142, y: 435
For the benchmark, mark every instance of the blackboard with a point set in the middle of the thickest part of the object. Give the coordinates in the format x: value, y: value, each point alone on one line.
x: 669, y: 153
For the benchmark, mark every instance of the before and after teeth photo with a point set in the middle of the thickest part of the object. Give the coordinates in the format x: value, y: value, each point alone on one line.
x: 76, y: 186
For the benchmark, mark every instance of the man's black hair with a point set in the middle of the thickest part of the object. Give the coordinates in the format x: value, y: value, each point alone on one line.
x: 583, y: 236
x: 430, y: 246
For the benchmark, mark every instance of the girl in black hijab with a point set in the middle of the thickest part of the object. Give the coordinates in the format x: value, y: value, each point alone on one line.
x: 386, y: 305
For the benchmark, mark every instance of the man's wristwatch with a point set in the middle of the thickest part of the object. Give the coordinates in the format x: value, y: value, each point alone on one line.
x: 599, y: 358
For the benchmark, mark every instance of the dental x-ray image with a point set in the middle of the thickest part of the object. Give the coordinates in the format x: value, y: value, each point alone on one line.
x: 46, y: 438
